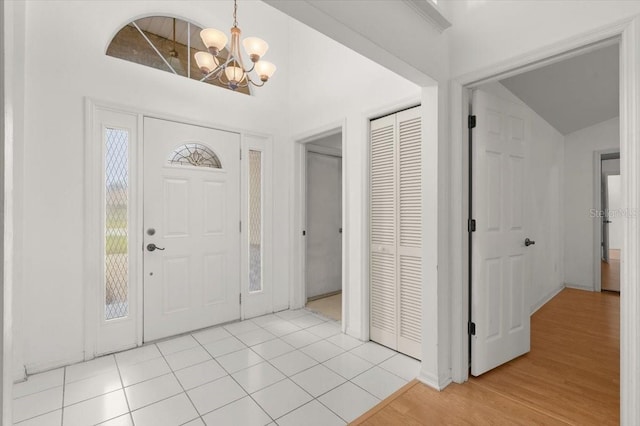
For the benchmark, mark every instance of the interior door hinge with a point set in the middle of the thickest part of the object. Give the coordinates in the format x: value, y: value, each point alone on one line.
x: 240, y: 298
x: 471, y: 225
x: 240, y: 226
x: 241, y: 154
x: 471, y: 122
x: 471, y: 329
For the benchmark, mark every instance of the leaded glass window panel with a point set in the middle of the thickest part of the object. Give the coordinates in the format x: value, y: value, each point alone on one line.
x: 195, y: 154
x: 255, y: 221
x: 116, y: 243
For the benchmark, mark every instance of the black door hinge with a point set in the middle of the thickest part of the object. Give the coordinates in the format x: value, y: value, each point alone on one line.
x: 471, y: 122
x: 471, y: 329
x: 471, y: 225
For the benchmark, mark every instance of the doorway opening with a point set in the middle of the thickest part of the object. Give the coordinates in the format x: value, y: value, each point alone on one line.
x: 323, y: 212
x: 532, y: 221
x: 609, y: 221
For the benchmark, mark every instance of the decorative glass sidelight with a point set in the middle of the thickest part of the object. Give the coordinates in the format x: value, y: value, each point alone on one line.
x: 116, y: 243
x: 196, y: 155
x: 255, y: 221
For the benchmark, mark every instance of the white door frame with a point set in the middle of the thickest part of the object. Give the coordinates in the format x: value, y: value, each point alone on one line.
x: 628, y: 34
x: 93, y: 165
x: 597, y: 224
x: 298, y: 295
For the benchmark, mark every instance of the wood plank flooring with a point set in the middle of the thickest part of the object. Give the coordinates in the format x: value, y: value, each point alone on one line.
x: 571, y: 376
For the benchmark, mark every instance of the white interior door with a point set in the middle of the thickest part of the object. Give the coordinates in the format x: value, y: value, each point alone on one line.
x: 500, y: 273
x: 191, y: 213
x: 324, y: 224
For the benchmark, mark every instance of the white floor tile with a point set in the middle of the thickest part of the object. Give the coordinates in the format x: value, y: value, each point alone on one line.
x: 239, y: 360
x: 293, y: 362
x: 318, y: 380
x: 187, y: 358
x: 348, y: 365
x: 322, y: 350
x: 53, y: 418
x: 265, y: 319
x: 141, y: 354
x: 200, y: 374
x: 311, y: 414
x: 272, y: 348
x: 91, y: 387
x: 211, y: 335
x: 39, y: 382
x: 345, y: 342
x: 243, y: 412
x: 214, y: 395
x: 306, y: 321
x: 224, y: 346
x: 258, y: 376
x: 281, y: 398
x: 281, y: 327
x: 91, y: 368
x: 125, y: 420
x: 373, y: 352
x: 326, y: 329
x: 177, y: 344
x: 96, y: 410
x: 255, y: 337
x: 37, y: 404
x: 301, y: 338
x: 136, y: 373
x: 196, y: 422
x: 174, y: 411
x: 291, y: 314
x: 241, y: 327
x: 348, y: 401
x: 403, y: 366
x: 154, y: 390
x: 379, y: 382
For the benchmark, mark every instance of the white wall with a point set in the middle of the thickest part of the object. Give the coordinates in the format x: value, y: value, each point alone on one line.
x: 485, y: 33
x: 544, y: 187
x: 579, y: 200
x: 51, y: 232
x: 321, y: 95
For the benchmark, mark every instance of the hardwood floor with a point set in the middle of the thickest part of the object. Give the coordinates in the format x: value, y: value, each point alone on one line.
x: 610, y: 272
x: 330, y: 306
x: 571, y: 376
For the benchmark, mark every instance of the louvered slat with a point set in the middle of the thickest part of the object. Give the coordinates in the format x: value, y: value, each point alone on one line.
x: 383, y: 204
x: 410, y: 185
x: 411, y: 298
x: 383, y: 292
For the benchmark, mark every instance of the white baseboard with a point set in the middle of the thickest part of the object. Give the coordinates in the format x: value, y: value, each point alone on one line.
x: 433, y: 382
x: 40, y: 367
x: 579, y: 286
x: 547, y: 297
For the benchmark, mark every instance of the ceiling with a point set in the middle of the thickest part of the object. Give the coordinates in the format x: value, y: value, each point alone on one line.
x: 575, y: 93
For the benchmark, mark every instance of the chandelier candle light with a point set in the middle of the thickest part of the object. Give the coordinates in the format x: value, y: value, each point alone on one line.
x: 231, y: 71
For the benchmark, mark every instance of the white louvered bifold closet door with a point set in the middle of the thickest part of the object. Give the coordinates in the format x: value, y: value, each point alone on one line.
x: 396, y: 231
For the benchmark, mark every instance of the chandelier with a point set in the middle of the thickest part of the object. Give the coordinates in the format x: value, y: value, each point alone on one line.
x: 231, y: 70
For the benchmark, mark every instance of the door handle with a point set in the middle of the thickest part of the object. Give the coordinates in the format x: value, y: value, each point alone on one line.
x: 528, y: 242
x: 607, y: 221
x: 153, y: 247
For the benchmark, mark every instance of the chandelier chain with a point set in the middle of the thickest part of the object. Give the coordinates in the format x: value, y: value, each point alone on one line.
x: 235, y: 13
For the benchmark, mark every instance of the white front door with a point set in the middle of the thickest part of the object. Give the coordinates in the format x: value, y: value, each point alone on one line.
x: 500, y: 273
x: 191, y: 214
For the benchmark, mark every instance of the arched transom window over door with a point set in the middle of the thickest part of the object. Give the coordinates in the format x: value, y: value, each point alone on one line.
x: 195, y: 155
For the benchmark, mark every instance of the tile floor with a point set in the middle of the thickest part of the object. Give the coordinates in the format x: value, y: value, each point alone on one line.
x: 293, y: 368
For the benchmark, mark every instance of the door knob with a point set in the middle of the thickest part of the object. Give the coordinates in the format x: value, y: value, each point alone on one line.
x: 528, y: 242
x: 153, y: 247
x: 607, y: 221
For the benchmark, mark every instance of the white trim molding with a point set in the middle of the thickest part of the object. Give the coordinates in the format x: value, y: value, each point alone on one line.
x: 430, y: 12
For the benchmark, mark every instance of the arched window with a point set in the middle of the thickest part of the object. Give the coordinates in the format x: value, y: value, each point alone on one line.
x: 196, y: 155
x: 164, y: 43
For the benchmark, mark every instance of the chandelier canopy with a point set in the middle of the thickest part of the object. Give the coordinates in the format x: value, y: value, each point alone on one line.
x: 231, y: 70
